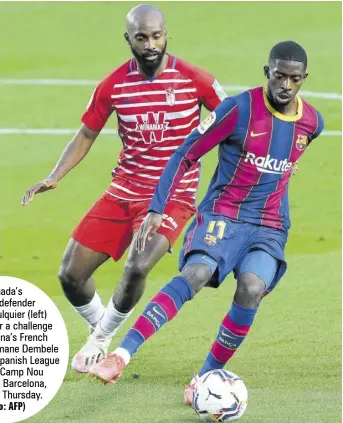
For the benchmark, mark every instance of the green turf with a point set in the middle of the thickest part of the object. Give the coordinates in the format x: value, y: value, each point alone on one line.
x: 292, y: 359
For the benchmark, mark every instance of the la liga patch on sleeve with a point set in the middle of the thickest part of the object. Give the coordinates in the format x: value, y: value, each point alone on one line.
x: 206, y: 123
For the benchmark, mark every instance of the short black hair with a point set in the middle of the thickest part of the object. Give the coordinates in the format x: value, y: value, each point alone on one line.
x: 288, y: 50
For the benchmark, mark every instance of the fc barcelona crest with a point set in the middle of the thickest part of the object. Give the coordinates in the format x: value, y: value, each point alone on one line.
x: 210, y: 240
x: 301, y: 142
x: 170, y: 96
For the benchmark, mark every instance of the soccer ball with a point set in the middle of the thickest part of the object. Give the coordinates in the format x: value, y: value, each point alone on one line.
x: 220, y: 396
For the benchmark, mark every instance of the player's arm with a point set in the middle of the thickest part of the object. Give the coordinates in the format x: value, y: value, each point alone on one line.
x: 94, y: 119
x: 210, y: 92
x: 74, y: 152
x: 319, y: 128
x: 218, y: 126
x: 316, y: 133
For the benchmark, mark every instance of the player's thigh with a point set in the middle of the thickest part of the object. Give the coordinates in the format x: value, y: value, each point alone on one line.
x: 213, y: 240
x: 257, y: 266
x: 106, y: 228
x: 175, y: 218
x: 80, y: 262
x: 264, y: 253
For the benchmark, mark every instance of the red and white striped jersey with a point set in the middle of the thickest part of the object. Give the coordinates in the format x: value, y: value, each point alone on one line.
x: 154, y: 118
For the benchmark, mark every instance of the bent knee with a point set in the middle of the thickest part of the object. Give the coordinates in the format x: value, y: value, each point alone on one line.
x: 197, y: 275
x: 250, y: 287
x: 136, y: 270
x: 68, y: 275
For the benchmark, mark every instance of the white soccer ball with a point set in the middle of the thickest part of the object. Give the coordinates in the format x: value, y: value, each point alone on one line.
x: 220, y: 396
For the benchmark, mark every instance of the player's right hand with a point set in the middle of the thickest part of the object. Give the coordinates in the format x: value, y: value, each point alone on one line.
x: 42, y: 186
x: 295, y: 168
x: 149, y: 227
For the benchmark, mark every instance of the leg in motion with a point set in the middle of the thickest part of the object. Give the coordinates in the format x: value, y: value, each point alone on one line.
x: 162, y: 308
x: 256, y: 272
x: 137, y: 267
x: 75, y: 275
x: 132, y: 284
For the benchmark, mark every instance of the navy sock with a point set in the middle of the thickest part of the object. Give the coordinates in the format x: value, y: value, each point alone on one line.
x: 232, y: 332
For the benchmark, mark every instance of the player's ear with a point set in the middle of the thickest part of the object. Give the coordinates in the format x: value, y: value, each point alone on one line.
x: 127, y: 38
x: 266, y: 71
x: 306, y: 75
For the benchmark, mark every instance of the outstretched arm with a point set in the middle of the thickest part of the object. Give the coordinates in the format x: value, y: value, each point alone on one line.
x: 74, y: 152
x: 94, y: 118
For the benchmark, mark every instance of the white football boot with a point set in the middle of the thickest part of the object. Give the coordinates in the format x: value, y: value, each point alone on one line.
x: 94, y: 350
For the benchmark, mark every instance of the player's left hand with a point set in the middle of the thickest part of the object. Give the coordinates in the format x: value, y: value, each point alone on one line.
x: 149, y: 227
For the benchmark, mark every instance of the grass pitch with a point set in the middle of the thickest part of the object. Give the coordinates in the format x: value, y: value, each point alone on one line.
x: 291, y: 360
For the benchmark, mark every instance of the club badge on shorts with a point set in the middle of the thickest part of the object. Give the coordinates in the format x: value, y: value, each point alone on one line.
x: 170, y: 96
x: 210, y: 240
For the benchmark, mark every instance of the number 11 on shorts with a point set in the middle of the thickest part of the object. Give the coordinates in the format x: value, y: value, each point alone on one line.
x: 220, y: 227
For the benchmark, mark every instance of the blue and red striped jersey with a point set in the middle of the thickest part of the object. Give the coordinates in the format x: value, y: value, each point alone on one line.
x: 257, y: 149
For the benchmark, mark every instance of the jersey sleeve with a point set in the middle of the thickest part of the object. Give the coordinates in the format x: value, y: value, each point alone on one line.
x: 320, y: 126
x: 217, y: 127
x: 211, y: 93
x: 99, y: 107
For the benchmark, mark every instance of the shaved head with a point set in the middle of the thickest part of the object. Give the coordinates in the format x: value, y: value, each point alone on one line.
x: 146, y: 36
x: 142, y: 15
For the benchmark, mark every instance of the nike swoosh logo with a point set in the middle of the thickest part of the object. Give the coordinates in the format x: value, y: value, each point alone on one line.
x: 254, y: 134
x: 227, y: 336
x: 168, y: 227
x: 154, y: 309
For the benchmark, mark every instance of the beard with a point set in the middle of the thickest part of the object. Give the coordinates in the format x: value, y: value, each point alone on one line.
x: 149, y: 66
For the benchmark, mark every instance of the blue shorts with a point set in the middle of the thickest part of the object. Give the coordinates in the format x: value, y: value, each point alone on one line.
x: 227, y: 245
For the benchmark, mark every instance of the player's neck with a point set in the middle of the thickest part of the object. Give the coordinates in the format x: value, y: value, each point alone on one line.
x: 290, y: 109
x: 157, y: 72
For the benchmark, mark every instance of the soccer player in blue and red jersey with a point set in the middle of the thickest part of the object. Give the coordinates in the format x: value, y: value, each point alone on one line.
x: 242, y: 223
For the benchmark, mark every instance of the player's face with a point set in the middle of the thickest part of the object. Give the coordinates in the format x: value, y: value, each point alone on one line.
x: 148, y: 45
x: 284, y: 80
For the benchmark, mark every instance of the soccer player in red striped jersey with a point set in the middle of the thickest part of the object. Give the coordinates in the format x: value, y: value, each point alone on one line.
x: 157, y: 98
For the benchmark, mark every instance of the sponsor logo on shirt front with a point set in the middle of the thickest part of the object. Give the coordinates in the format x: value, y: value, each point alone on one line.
x: 268, y: 164
x: 152, y: 127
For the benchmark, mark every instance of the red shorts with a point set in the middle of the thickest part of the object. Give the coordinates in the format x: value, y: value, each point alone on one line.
x: 109, y: 226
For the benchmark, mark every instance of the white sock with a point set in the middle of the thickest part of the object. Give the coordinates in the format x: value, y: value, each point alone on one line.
x: 124, y: 354
x: 112, y: 320
x: 91, y: 312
